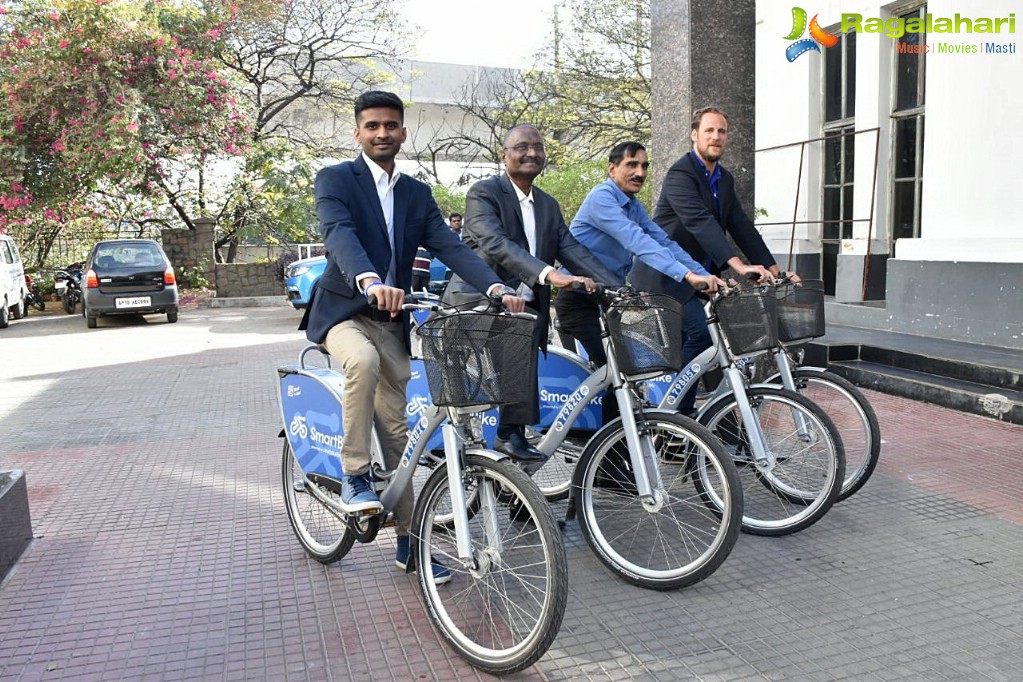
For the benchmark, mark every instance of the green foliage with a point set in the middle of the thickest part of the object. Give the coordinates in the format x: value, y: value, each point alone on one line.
x: 194, y: 277
x: 100, y: 91
x: 448, y: 200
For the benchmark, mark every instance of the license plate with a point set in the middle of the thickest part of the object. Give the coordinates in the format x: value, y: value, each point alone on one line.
x: 132, y: 302
x: 59, y: 284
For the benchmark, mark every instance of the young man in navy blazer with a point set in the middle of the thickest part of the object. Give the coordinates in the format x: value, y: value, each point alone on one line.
x: 373, y: 219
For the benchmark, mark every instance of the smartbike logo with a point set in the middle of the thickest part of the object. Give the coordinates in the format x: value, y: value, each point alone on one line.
x: 901, y: 27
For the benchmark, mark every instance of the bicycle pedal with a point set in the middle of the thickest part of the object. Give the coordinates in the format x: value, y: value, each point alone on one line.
x: 389, y: 522
x: 364, y: 513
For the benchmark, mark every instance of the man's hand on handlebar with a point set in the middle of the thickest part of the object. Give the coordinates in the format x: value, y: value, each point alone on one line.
x: 790, y: 276
x: 707, y: 283
x: 513, y: 303
x: 757, y: 273
x: 563, y: 281
x: 385, y: 297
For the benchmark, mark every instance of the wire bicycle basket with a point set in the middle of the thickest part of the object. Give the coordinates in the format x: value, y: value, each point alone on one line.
x: 478, y: 358
x: 749, y: 320
x: 800, y: 311
x: 646, y: 334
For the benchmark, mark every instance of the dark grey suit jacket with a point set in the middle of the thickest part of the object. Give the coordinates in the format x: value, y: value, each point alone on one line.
x: 493, y: 226
x: 355, y: 236
x: 686, y: 211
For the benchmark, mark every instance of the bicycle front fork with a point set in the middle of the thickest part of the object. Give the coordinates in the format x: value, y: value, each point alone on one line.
x: 454, y: 451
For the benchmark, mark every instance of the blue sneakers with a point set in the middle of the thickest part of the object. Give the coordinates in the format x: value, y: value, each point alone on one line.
x: 357, y: 495
x: 441, y: 574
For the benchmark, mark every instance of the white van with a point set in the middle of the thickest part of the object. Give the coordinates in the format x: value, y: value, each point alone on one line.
x: 12, y: 282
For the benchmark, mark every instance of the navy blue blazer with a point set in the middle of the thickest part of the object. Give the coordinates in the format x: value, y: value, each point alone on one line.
x: 355, y: 237
x: 685, y: 210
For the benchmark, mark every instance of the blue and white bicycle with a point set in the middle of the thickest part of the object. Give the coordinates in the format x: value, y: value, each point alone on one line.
x: 479, y: 513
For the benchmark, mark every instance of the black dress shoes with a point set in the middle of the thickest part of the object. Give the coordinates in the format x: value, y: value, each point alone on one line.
x: 518, y: 448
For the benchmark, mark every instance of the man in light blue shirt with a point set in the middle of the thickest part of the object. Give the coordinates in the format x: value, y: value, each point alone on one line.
x: 615, y: 227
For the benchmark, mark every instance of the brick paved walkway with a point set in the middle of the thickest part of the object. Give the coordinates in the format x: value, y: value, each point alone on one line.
x: 164, y: 552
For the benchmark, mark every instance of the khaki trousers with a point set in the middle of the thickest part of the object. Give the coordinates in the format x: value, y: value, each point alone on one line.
x: 376, y: 366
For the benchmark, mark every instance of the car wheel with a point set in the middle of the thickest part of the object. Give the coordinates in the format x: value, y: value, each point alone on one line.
x: 172, y: 316
x: 20, y: 309
x: 90, y: 321
x: 5, y: 316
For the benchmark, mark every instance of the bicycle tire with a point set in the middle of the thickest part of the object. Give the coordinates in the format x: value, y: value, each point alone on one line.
x: 799, y: 489
x: 682, y: 537
x: 854, y: 417
x: 513, y: 636
x: 323, y: 533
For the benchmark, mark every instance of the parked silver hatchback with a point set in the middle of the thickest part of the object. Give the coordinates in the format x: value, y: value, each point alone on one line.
x: 128, y: 277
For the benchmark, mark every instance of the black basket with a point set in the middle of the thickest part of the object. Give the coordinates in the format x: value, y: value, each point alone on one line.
x: 800, y: 311
x: 475, y: 358
x: 646, y: 334
x: 749, y: 320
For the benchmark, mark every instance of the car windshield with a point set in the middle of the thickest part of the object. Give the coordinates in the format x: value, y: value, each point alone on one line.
x: 126, y: 255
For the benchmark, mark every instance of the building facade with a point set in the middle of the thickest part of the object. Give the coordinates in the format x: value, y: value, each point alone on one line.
x: 888, y: 159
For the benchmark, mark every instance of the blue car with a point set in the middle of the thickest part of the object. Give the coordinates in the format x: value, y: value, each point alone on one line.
x: 300, y: 276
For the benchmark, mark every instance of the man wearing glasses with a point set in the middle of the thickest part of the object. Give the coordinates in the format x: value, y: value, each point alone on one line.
x: 520, y: 232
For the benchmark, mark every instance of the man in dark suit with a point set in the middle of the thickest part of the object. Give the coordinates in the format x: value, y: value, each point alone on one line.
x: 373, y: 218
x: 697, y: 207
x: 520, y: 232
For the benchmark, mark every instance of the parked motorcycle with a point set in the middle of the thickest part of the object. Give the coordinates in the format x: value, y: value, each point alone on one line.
x: 68, y: 283
x: 33, y: 298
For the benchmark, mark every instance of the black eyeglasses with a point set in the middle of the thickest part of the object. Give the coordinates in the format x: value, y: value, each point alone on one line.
x: 523, y: 148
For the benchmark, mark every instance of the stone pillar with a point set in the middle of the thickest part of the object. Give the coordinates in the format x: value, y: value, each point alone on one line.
x: 703, y: 55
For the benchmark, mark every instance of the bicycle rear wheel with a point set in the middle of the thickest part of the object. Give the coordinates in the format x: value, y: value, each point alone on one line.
x: 501, y: 611
x: 800, y: 486
x: 682, y: 535
x: 854, y: 417
x: 322, y: 531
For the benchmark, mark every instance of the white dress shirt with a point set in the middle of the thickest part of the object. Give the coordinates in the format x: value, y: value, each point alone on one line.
x: 385, y: 192
x: 529, y: 226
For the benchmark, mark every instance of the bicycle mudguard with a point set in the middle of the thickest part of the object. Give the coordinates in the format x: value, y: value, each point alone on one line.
x: 310, y: 401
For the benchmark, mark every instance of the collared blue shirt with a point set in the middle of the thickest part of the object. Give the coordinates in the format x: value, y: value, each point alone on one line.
x: 711, y: 178
x: 615, y: 227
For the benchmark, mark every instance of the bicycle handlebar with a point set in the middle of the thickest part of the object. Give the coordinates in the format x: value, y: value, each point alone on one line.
x: 417, y: 302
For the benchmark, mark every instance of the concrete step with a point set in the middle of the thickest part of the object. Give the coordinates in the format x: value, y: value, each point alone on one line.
x: 969, y: 377
x: 966, y: 396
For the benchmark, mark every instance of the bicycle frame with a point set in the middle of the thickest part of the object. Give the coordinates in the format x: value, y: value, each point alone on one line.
x: 640, y: 449
x: 734, y: 383
x: 310, y: 402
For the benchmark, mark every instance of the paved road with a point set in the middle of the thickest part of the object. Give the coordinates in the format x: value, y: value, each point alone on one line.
x: 163, y: 551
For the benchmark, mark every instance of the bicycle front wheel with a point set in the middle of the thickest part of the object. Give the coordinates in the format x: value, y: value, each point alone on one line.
x: 504, y: 606
x: 798, y: 487
x: 681, y: 535
x: 322, y: 531
x: 854, y: 418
